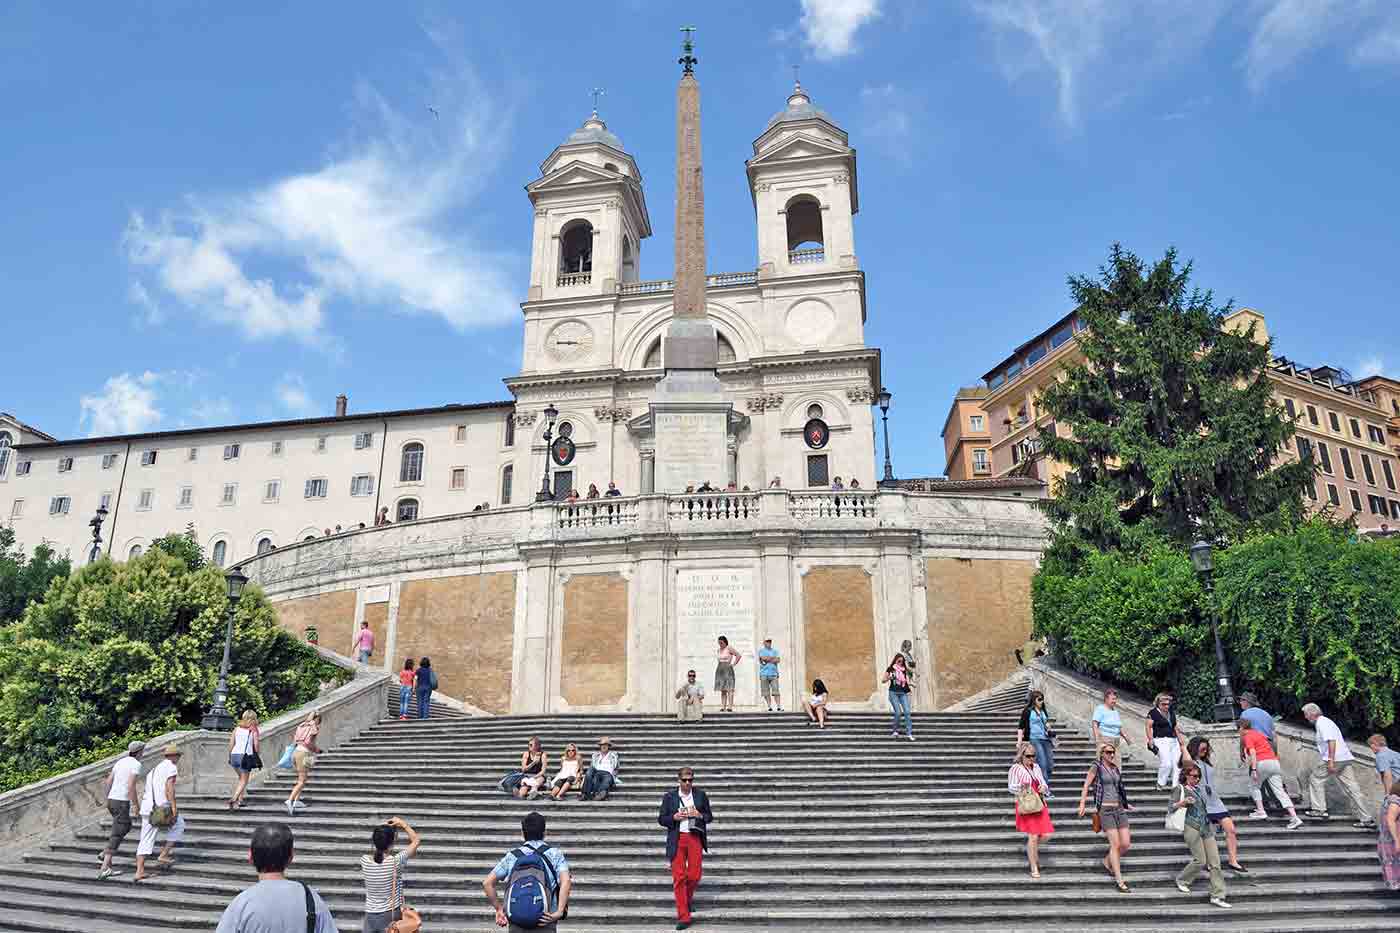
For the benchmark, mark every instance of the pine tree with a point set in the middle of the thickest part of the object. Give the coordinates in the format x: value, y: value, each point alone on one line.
x: 1174, y: 429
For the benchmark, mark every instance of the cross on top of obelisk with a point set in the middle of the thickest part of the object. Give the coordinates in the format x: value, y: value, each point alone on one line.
x: 688, y: 46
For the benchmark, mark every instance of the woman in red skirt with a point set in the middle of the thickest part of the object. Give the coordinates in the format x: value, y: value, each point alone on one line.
x: 1026, y: 781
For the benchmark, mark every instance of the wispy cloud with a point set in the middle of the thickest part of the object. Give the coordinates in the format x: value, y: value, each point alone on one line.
x: 888, y: 118
x: 378, y: 223
x: 1288, y: 31
x: 1370, y: 366
x: 125, y: 405
x: 291, y: 392
x: 208, y: 411
x: 1381, y: 47
x: 829, y: 27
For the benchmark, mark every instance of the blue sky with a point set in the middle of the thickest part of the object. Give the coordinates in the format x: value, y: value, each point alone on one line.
x: 218, y: 215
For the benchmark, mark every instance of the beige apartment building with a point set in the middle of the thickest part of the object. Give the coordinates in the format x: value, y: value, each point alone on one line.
x: 1352, y: 427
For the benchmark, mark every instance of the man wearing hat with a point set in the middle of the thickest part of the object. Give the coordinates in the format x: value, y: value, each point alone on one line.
x: 121, y: 797
x: 160, y: 810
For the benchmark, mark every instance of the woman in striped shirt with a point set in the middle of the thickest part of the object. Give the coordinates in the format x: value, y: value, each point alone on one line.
x: 383, y: 874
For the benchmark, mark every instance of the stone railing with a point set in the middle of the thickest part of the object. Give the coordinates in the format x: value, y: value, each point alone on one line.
x: 832, y: 504
x: 811, y: 254
x: 594, y: 513
x: 689, y: 508
x: 715, y: 280
x: 568, y: 279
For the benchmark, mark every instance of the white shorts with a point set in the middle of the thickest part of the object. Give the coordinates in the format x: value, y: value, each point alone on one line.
x: 149, y: 832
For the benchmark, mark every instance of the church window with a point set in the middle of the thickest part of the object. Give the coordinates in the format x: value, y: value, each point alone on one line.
x: 5, y: 441
x: 411, y: 463
x: 510, y: 429
x: 566, y: 429
x: 220, y: 553
x: 576, y: 253
x: 817, y: 473
x: 507, y: 478
x: 264, y: 545
x: 407, y: 510
x: 814, y: 411
x: 134, y: 553
x: 629, y: 262
x: 804, y: 230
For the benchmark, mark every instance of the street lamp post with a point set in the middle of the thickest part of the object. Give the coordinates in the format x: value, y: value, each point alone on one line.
x: 219, y: 719
x: 1204, y: 561
x: 550, y: 413
x: 888, y: 482
x: 96, y: 524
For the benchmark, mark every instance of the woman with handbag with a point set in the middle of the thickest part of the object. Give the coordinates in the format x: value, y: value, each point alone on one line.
x: 1027, y: 782
x: 383, y: 875
x: 243, y: 755
x: 1035, y: 728
x: 1187, y: 815
x: 1111, y: 809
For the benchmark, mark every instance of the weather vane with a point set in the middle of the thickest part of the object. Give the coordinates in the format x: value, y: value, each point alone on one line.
x: 688, y: 46
x: 597, y: 93
x: 795, y: 79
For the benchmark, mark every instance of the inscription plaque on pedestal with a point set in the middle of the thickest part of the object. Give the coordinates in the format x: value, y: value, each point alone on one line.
x: 711, y: 603
x: 691, y: 449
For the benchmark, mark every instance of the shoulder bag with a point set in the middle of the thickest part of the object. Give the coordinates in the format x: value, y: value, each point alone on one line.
x: 162, y: 816
x: 1028, y: 800
x: 1176, y: 816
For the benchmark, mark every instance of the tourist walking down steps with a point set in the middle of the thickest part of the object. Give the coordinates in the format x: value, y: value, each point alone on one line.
x: 122, y: 795
x: 1027, y: 782
x: 685, y: 813
x: 1034, y: 727
x: 1187, y: 813
x: 1198, y: 750
x: 901, y: 681
x: 275, y: 904
x: 1111, y: 809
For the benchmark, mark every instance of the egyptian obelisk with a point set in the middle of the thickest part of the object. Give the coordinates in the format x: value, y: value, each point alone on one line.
x: 690, y: 416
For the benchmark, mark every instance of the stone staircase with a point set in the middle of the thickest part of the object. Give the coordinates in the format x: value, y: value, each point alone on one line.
x: 841, y: 829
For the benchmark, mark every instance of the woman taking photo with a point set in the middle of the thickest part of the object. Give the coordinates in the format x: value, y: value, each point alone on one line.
x: 1199, y: 834
x: 816, y: 704
x: 1198, y: 750
x: 243, y: 755
x: 1035, y: 728
x: 1027, y: 784
x: 382, y: 871
x: 1111, y: 809
x: 726, y: 658
x: 568, y: 777
x: 533, y: 762
x: 901, y: 681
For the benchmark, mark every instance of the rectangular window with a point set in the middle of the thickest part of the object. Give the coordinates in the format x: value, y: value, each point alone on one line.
x: 1378, y: 506
x: 1355, y: 500
x: 510, y: 429
x: 276, y: 448
x: 321, y: 444
x: 105, y: 502
x: 1325, y: 458
x: 1332, y: 495
x: 186, y: 497
x: 459, y: 434
x: 459, y: 478
x: 1346, y: 462
x: 563, y: 485
x: 272, y: 490
x: 1312, y: 490
x: 976, y: 424
x: 316, y: 488
x: 1304, y: 448
x: 22, y: 468
x: 65, y: 464
x: 1389, y: 476
x: 364, y: 440
x: 1036, y: 354
x: 1355, y: 427
x: 362, y: 485
x: 1376, y: 434
x: 1013, y: 370
x: 58, y: 505
x: 231, y: 451
x: 1333, y: 420
x: 146, y: 499
x: 996, y: 381
x: 194, y: 454
x: 1395, y: 508
x: 1312, y: 415
x: 1289, y: 407
x: 1366, y: 468
x: 17, y: 508
x: 817, y: 474
x: 148, y: 457
x: 109, y: 461
x: 230, y: 494
x: 507, y: 480
x: 980, y: 463
x: 1061, y: 336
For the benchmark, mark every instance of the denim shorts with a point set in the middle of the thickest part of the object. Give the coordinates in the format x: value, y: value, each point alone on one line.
x: 1215, y: 818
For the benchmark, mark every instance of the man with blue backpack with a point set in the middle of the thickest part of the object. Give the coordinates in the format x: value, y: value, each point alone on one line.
x: 537, y: 882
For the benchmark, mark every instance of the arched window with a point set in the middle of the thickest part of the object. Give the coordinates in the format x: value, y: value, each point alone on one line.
x: 411, y: 463
x: 507, y: 478
x: 724, y: 353
x: 220, y: 553
x: 134, y: 553
x: 629, y: 262
x: 407, y: 510
x: 308, y: 538
x: 510, y: 429
x: 804, y: 230
x: 576, y: 249
x: 264, y: 545
x: 5, y: 441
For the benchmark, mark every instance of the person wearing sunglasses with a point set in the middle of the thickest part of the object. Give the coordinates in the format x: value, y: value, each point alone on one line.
x: 685, y: 813
x: 1198, y: 832
x: 1111, y: 809
x: 1198, y: 750
x: 1027, y: 783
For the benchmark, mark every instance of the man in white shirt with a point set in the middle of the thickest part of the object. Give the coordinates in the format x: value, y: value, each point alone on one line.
x: 122, y: 784
x: 602, y: 771
x: 160, y: 793
x: 1336, y: 762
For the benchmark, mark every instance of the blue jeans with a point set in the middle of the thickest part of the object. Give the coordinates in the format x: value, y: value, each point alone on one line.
x: 364, y: 656
x: 899, y: 702
x: 1045, y: 756
x: 597, y: 783
x: 405, y: 695
x: 424, y: 703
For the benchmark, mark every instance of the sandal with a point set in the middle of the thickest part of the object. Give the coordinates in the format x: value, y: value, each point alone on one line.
x: 1034, y: 873
x: 1123, y: 887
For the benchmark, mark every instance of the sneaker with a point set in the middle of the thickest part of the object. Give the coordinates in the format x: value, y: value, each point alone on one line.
x: 299, y: 804
x: 104, y: 873
x: 780, y: 709
x: 287, y: 805
x: 1258, y: 815
x: 1294, y: 823
x: 1364, y: 824
x: 1183, y: 887
x: 911, y: 737
x: 1220, y: 902
x: 894, y: 735
x: 1317, y: 815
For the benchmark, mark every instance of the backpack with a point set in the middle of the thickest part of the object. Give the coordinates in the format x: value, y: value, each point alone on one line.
x: 432, y: 679
x: 532, y: 888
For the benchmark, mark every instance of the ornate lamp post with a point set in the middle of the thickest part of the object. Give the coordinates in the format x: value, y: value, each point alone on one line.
x: 888, y: 482
x: 550, y: 413
x: 96, y: 524
x: 1225, y: 709
x: 219, y: 719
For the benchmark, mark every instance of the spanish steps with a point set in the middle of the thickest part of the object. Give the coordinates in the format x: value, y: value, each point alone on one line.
x: 840, y: 829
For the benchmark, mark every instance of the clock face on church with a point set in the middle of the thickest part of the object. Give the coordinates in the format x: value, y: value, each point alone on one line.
x: 569, y: 340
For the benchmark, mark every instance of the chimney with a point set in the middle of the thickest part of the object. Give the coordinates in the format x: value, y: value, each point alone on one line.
x: 341, y: 402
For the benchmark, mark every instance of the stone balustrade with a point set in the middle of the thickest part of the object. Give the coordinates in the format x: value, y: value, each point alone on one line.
x: 569, y: 279
x: 715, y: 280
x: 801, y: 256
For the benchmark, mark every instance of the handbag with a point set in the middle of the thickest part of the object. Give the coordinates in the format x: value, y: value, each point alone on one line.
x: 1028, y: 799
x: 162, y: 815
x: 252, y: 761
x: 1096, y: 823
x: 285, y: 761
x: 1176, y: 816
x: 511, y: 781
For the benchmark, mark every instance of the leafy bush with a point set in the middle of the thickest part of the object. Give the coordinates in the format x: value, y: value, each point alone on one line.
x: 133, y: 649
x: 25, y: 579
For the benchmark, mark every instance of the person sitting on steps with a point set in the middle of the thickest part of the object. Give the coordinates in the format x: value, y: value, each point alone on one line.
x: 692, y: 700
x: 815, y: 706
x: 602, y: 771
x: 533, y: 763
x: 568, y: 777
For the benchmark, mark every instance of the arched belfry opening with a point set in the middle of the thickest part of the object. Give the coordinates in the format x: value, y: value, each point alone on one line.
x: 576, y: 249
x: 629, y: 262
x: 804, y: 230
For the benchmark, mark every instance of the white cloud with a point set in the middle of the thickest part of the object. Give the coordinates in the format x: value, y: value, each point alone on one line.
x: 126, y: 405
x: 291, y: 392
x: 888, y: 118
x: 1289, y: 30
x: 829, y: 26
x: 150, y: 312
x: 208, y: 411
x: 371, y: 225
x: 1380, y: 48
x: 1370, y: 366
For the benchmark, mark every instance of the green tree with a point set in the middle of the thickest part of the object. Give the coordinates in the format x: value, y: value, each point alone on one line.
x: 25, y: 579
x: 184, y: 547
x: 1172, y: 419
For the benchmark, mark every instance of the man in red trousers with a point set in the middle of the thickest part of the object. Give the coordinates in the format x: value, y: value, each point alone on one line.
x: 685, y: 812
